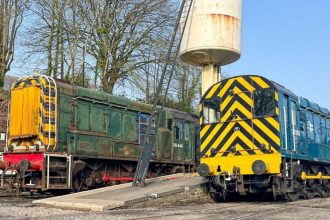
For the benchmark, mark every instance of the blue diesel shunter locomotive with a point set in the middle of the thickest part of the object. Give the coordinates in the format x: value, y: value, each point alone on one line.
x: 257, y: 136
x: 305, y: 142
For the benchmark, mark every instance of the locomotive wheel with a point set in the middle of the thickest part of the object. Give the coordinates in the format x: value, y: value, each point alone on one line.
x: 326, y: 183
x: 216, y: 197
x: 309, y: 194
x: 295, y: 195
x: 291, y: 196
x: 177, y: 169
x: 327, y: 193
x: 323, y: 193
x: 308, y: 191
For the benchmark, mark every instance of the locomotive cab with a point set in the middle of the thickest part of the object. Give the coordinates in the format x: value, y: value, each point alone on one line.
x: 30, y: 154
x: 240, y: 131
x: 63, y: 137
x: 240, y: 127
x: 32, y: 115
x: 257, y: 136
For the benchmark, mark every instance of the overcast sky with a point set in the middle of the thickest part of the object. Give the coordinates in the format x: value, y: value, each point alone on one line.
x: 288, y: 41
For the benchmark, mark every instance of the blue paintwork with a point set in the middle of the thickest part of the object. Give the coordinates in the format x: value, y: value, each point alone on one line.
x: 309, y: 139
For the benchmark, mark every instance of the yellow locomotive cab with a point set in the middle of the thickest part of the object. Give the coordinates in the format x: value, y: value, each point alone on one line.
x: 240, y: 128
x: 32, y: 115
x: 259, y: 137
x: 24, y: 110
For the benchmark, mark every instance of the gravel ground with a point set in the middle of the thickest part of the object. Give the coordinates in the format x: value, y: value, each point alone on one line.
x: 22, y: 208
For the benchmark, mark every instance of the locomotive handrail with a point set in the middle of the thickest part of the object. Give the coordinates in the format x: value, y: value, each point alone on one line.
x: 7, y: 130
x: 49, y: 79
x: 317, y: 112
x: 69, y: 157
x: 55, y: 103
x: 100, y: 102
x: 319, y: 176
x: 49, y: 93
x: 47, y: 180
x: 293, y: 124
x: 285, y: 128
x: 42, y: 106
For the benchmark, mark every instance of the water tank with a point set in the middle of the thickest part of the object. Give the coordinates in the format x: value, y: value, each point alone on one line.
x: 213, y: 33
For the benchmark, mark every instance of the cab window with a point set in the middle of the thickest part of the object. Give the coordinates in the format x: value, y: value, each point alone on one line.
x: 178, y: 130
x: 211, y: 111
x: 264, y: 102
x: 186, y: 131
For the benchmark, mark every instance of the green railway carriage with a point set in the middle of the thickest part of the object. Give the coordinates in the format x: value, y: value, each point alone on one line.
x: 68, y: 137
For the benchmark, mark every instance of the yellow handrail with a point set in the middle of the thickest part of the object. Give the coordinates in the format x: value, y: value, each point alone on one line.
x: 319, y: 176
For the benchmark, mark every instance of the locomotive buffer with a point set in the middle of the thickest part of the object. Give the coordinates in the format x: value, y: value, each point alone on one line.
x: 146, y: 151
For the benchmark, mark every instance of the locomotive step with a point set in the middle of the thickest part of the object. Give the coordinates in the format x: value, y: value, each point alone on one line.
x: 57, y: 177
x: 57, y: 166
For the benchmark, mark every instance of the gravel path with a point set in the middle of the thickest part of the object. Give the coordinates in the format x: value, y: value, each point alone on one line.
x: 22, y: 208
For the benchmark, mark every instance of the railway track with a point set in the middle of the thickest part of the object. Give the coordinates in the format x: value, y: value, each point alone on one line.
x: 222, y: 210
x: 228, y: 210
x: 283, y: 207
x: 25, y: 195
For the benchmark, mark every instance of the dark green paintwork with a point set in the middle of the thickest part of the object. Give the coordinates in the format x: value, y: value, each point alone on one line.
x: 126, y: 150
x: 164, y: 144
x: 115, y: 124
x: 96, y: 124
x: 130, y: 126
x: 64, y: 121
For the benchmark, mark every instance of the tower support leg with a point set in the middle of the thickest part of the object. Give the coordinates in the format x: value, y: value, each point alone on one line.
x: 210, y: 76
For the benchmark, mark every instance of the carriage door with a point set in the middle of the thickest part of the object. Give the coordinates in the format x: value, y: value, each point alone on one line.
x: 187, y: 141
x: 285, y: 139
x: 293, y: 128
x: 303, y: 131
x: 178, y: 141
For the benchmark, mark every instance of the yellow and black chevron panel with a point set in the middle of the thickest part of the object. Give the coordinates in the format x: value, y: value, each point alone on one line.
x: 241, y: 129
x: 43, y: 109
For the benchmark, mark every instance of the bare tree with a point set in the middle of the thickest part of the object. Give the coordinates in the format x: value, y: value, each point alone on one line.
x: 145, y: 79
x: 48, y: 34
x: 187, y: 87
x: 11, y: 16
x: 118, y: 42
x: 104, y: 41
x: 117, y: 32
x: 184, y: 92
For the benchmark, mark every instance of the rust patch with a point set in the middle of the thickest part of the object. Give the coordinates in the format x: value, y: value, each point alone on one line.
x: 104, y: 145
x: 127, y: 150
x: 226, y: 19
x: 84, y: 144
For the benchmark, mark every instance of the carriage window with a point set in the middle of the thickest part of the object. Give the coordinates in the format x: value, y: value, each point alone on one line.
x: 211, y: 111
x: 178, y: 131
x: 264, y: 102
x: 169, y: 124
x: 186, y: 131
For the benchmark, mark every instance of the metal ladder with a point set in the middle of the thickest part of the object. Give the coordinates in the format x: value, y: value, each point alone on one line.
x: 146, y: 151
x: 186, y: 11
x: 60, y: 164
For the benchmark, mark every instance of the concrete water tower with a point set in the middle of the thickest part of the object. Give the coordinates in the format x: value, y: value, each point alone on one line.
x: 212, y: 37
